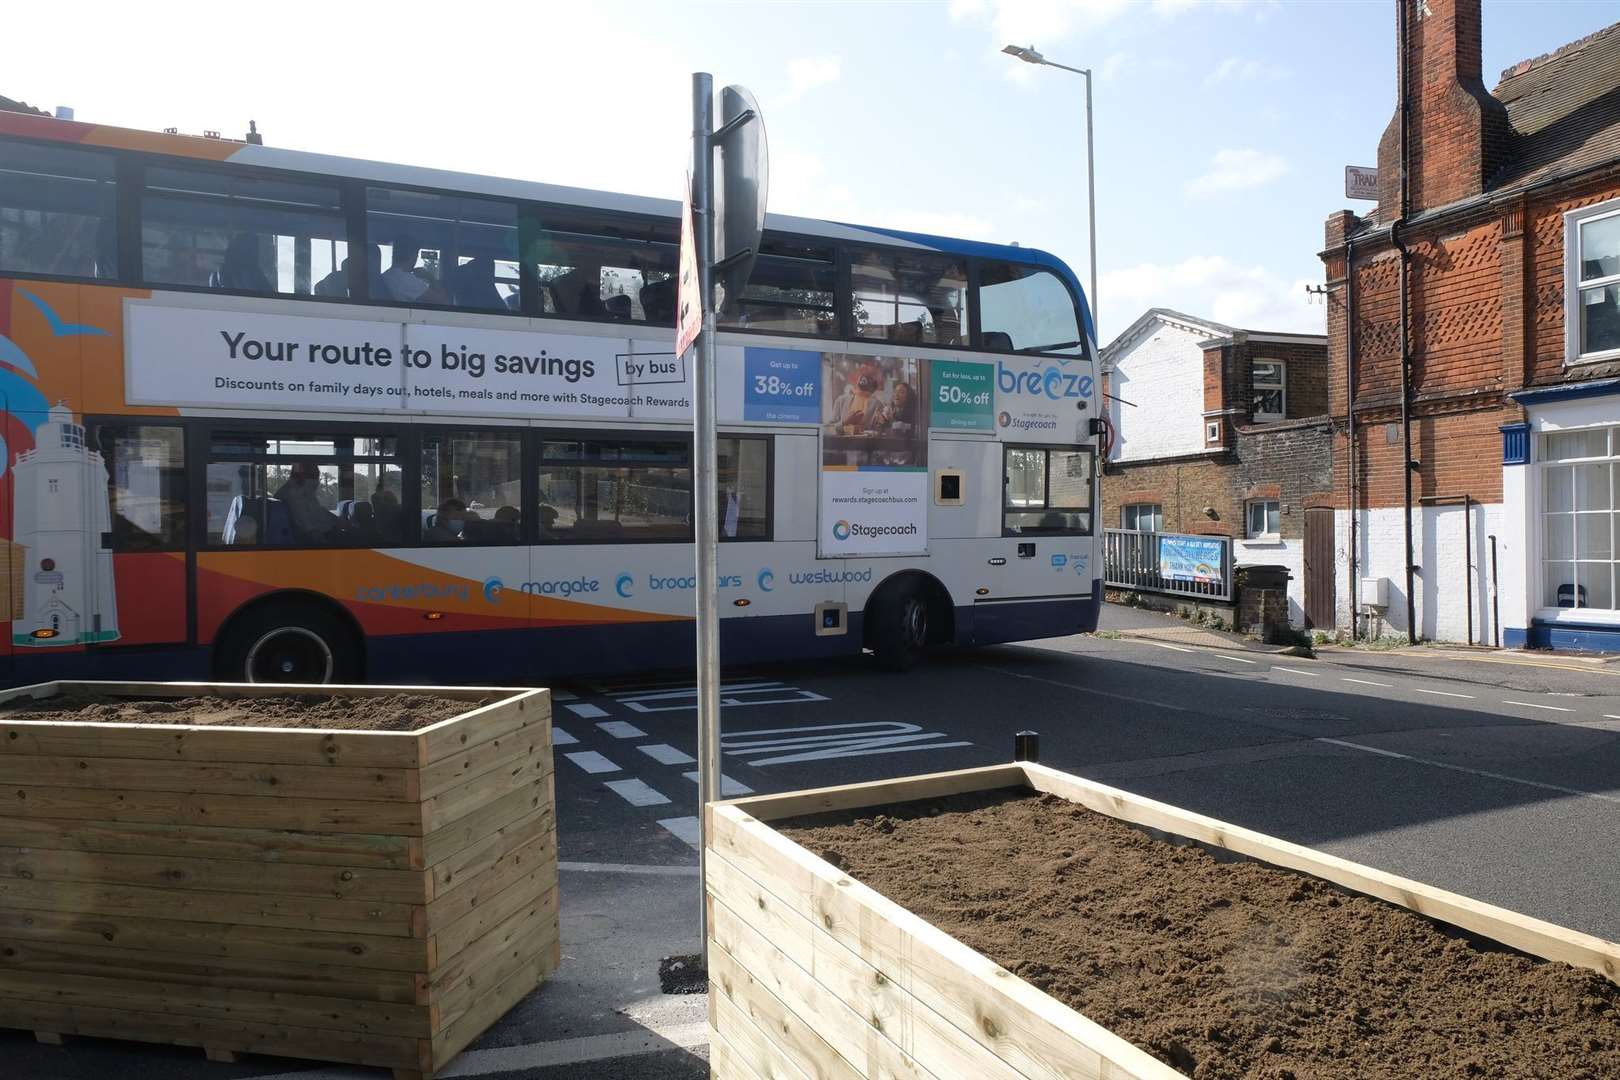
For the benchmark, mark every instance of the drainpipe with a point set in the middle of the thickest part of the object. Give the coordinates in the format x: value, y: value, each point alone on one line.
x: 1350, y: 423
x: 1406, y: 349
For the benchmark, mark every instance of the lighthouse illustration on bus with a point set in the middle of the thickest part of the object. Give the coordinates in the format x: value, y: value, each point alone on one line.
x: 60, y: 541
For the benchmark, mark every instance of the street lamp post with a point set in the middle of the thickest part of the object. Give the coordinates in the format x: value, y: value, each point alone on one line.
x: 1030, y: 56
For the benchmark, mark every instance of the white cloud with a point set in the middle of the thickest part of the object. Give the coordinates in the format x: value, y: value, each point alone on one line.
x: 808, y: 72
x: 1236, y: 170
x: 1249, y: 297
x: 1244, y: 69
x: 1116, y: 63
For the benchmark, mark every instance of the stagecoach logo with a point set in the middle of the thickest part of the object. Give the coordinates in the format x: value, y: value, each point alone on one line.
x: 625, y: 585
x: 1005, y: 418
x: 767, y: 580
x: 492, y: 590
x: 841, y: 531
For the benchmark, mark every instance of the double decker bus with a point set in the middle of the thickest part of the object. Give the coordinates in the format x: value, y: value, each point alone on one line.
x: 281, y: 416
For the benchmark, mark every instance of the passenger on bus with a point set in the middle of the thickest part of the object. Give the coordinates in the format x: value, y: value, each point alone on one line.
x: 240, y: 269
x: 475, y: 285
x: 337, y: 282
x: 448, y: 521
x: 400, y: 281
x: 311, y: 522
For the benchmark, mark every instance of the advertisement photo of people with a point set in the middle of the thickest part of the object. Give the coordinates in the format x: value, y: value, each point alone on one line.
x: 872, y: 412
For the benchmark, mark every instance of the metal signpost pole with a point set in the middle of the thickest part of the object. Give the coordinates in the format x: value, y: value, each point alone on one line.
x: 705, y: 467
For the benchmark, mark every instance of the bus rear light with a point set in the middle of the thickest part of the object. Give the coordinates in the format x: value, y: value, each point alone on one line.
x: 433, y: 616
x: 981, y: 591
x: 43, y: 633
x: 742, y: 601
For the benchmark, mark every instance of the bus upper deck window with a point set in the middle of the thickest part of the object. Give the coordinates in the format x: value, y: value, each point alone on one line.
x: 448, y: 250
x: 57, y: 211
x: 791, y: 291
x: 1026, y: 309
x: 241, y: 232
x: 595, y: 267
x: 909, y: 297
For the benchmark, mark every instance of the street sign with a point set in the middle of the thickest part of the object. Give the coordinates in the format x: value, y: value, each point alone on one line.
x: 741, y: 181
x: 1360, y: 182
x: 688, y: 295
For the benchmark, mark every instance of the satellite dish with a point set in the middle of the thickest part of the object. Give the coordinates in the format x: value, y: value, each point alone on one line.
x: 741, y: 181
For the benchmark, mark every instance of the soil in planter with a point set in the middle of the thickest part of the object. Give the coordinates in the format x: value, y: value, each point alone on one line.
x: 1222, y: 969
x: 383, y: 712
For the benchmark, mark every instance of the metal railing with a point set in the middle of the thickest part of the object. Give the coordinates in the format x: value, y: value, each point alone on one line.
x: 1174, y: 563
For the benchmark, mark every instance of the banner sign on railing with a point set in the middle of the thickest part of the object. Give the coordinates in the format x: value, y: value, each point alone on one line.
x: 1187, y: 558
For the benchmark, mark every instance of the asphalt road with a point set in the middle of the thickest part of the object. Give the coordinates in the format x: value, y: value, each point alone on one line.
x: 1485, y: 777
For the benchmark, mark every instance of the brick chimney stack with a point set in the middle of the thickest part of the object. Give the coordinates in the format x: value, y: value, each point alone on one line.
x: 1457, y: 132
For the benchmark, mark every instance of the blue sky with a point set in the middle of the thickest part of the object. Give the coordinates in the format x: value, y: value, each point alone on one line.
x: 1222, y: 126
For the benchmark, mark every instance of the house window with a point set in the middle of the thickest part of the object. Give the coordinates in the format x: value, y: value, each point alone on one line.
x: 1268, y: 380
x: 1212, y: 431
x: 1142, y: 517
x: 1578, y: 560
x: 1592, y: 282
x: 1262, y: 519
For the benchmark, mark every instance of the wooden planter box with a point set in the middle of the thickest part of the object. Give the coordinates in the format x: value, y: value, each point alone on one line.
x: 372, y: 897
x: 811, y: 971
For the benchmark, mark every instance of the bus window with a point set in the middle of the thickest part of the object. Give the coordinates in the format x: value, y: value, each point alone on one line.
x: 1026, y: 309
x: 472, y: 488
x: 744, y: 477
x: 307, y: 489
x: 241, y: 233
x: 443, y: 249
x: 1047, y: 491
x: 907, y: 297
x: 146, y: 484
x: 58, y: 210
x: 608, y: 491
x: 791, y: 291
x: 600, y: 269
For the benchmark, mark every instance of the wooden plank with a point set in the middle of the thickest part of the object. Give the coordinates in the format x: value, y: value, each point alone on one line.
x: 217, y: 939
x: 214, y: 875
x: 219, y: 1002
x: 1036, y: 1034
x: 532, y: 737
x: 222, y: 778
x: 535, y: 891
x: 249, y: 909
x: 493, y: 1005
x: 865, y: 1043
x: 251, y: 973
x: 537, y: 853
x: 495, y: 719
x: 775, y: 1041
x: 737, y: 1047
x: 290, y: 746
x: 478, y: 857
x: 278, y: 847
x: 1543, y: 939
x: 531, y: 921
x: 473, y: 794
x: 126, y: 688
x: 440, y: 844
x: 463, y: 997
x: 244, y: 811
x: 243, y: 1036
x: 224, y: 1057
x: 727, y: 1063
x: 878, y: 792
x: 48, y: 1038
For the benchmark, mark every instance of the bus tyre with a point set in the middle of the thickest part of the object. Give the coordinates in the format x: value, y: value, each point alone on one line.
x: 900, y: 627
x: 289, y: 644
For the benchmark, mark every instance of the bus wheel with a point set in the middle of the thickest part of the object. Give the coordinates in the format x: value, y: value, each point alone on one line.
x: 289, y: 645
x: 899, y: 633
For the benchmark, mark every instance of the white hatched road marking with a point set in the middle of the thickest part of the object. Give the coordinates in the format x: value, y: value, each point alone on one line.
x: 636, y: 792
x: 587, y: 710
x: 622, y: 729
x: 1473, y: 772
x: 1441, y: 693
x: 1366, y: 682
x: 728, y: 787
x: 592, y: 762
x: 732, y: 694
x: 821, y: 741
x: 684, y: 828
x: 1239, y: 659
x: 559, y: 737
x: 1533, y: 705
x: 665, y: 754
x: 1295, y: 670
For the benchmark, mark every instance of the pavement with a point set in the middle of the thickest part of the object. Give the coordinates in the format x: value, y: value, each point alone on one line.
x: 1487, y: 774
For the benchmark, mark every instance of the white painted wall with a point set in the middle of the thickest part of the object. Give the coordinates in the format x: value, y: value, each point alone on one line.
x: 1441, y: 583
x: 1289, y: 553
x: 1162, y: 376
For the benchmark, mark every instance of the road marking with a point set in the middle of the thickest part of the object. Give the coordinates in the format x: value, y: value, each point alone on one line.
x: 1365, y: 682
x: 1090, y: 691
x: 636, y: 793
x: 587, y: 710
x: 733, y: 694
x: 822, y: 741
x: 683, y: 828
x: 665, y: 754
x: 592, y: 762
x: 541, y: 1055
x: 1533, y: 705
x: 1608, y: 716
x: 622, y: 729
x: 559, y: 737
x: 1295, y: 670
x: 628, y: 868
x: 1473, y: 772
x: 1440, y: 693
x: 728, y: 786
x: 1173, y: 648
x: 1239, y: 659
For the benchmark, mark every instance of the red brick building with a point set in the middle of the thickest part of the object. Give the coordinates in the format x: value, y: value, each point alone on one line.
x: 1495, y: 254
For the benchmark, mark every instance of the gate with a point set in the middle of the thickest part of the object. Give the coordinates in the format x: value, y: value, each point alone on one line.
x: 1319, y: 575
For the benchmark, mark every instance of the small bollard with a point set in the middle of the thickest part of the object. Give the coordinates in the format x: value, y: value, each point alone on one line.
x: 1027, y: 746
